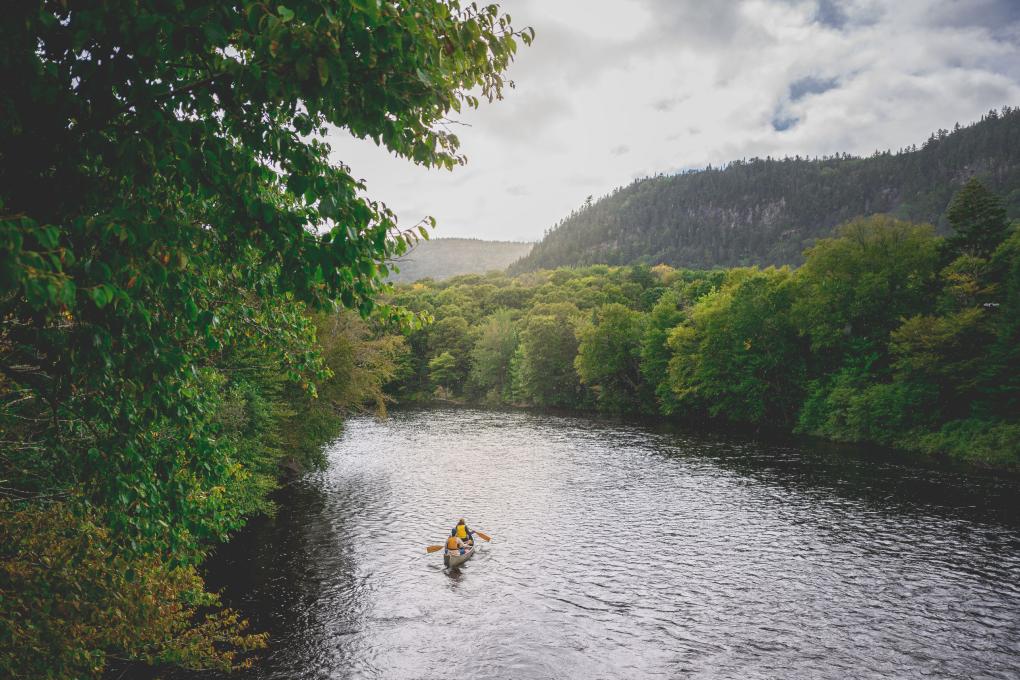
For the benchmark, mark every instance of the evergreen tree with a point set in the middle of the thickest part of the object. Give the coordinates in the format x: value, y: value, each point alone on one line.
x: 978, y: 218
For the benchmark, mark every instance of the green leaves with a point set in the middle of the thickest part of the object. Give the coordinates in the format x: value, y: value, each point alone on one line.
x: 286, y: 14
x: 171, y: 214
x: 102, y: 295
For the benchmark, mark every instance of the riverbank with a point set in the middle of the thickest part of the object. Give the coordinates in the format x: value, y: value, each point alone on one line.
x: 886, y: 335
x: 772, y: 436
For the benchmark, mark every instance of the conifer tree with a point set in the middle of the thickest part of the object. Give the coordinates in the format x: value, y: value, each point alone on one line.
x: 978, y: 218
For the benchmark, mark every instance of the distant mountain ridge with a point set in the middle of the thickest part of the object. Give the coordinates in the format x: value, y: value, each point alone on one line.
x: 442, y: 258
x: 767, y: 211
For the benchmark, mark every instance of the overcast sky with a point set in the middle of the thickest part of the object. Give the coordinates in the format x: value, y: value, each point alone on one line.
x: 614, y: 90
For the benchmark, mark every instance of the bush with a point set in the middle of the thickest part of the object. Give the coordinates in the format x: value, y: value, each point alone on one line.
x: 70, y: 600
x: 986, y: 442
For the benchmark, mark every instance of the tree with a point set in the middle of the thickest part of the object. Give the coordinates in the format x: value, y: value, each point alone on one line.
x: 740, y: 357
x: 444, y: 371
x: 854, y: 289
x: 669, y: 310
x: 978, y: 219
x: 544, y: 367
x: 492, y: 354
x: 609, y: 359
x: 1001, y: 376
x: 452, y: 335
x: 666, y: 314
x: 168, y: 204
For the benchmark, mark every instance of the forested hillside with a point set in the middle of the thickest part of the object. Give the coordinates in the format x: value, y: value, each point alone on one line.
x: 767, y: 211
x: 445, y: 257
x: 888, y: 333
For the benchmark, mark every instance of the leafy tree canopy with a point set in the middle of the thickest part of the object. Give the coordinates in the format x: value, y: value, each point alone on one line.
x: 170, y: 213
x: 163, y: 160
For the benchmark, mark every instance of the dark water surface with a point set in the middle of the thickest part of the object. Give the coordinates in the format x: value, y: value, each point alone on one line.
x: 624, y: 552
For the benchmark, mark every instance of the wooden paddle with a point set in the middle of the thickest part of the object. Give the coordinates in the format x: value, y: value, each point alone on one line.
x: 433, y: 548
x: 482, y: 535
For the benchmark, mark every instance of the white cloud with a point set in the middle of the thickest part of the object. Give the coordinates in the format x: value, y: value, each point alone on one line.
x: 614, y: 91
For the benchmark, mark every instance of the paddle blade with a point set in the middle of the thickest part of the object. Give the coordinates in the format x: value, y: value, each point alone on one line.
x: 433, y: 548
x: 484, y: 536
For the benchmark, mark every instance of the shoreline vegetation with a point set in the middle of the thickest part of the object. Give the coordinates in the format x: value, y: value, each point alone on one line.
x: 888, y: 334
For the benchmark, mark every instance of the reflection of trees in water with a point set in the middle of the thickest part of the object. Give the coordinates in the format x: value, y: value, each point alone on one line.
x: 282, y: 572
x: 883, y: 480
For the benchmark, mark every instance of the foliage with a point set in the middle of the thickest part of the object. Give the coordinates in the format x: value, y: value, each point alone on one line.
x: 544, y: 374
x: 169, y: 220
x: 978, y: 218
x: 77, y: 603
x: 938, y: 372
x: 982, y: 441
x: 740, y: 357
x: 491, y: 356
x: 609, y: 359
x: 874, y: 339
x: 444, y: 371
x: 854, y: 289
x: 452, y: 335
x: 672, y: 308
x: 359, y: 361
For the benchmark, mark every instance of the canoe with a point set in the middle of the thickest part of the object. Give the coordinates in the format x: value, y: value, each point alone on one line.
x: 456, y: 559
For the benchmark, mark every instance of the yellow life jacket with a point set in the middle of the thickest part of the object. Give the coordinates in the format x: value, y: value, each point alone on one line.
x: 462, y: 533
x: 451, y: 543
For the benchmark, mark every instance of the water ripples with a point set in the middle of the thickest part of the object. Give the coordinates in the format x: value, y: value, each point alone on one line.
x: 621, y: 551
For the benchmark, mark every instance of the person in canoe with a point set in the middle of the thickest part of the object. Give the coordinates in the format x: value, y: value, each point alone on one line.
x: 454, y: 544
x: 462, y: 532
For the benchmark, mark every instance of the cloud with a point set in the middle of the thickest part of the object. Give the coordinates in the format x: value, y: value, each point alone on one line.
x: 811, y: 85
x: 782, y: 122
x: 830, y: 13
x: 667, y: 104
x: 668, y: 84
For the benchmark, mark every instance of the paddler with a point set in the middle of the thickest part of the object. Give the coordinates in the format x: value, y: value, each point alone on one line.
x: 462, y: 532
x: 454, y: 544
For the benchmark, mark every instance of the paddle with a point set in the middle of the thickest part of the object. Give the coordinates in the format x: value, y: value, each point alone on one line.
x: 433, y: 548
x: 487, y: 538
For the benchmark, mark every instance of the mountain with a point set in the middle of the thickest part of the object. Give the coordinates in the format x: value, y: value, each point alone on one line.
x: 767, y: 211
x: 445, y: 257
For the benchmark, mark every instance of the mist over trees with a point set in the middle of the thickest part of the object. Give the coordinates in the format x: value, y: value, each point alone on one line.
x: 441, y: 258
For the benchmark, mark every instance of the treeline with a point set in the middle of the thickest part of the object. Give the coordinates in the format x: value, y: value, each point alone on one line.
x: 767, y: 211
x: 888, y: 333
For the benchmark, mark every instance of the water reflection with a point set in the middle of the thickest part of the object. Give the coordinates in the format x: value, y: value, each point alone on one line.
x: 625, y: 551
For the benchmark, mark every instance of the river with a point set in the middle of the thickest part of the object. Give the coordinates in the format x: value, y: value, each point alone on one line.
x: 625, y: 551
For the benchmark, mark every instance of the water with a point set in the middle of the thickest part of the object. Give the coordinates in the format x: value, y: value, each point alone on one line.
x: 624, y: 552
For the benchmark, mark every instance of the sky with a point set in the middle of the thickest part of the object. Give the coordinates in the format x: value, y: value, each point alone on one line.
x: 615, y: 90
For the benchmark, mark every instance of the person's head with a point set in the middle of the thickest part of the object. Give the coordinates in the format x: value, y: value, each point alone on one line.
x: 460, y: 521
x: 453, y: 532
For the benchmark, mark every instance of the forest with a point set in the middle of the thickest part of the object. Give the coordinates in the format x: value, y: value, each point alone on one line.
x: 768, y: 211
x: 887, y: 334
